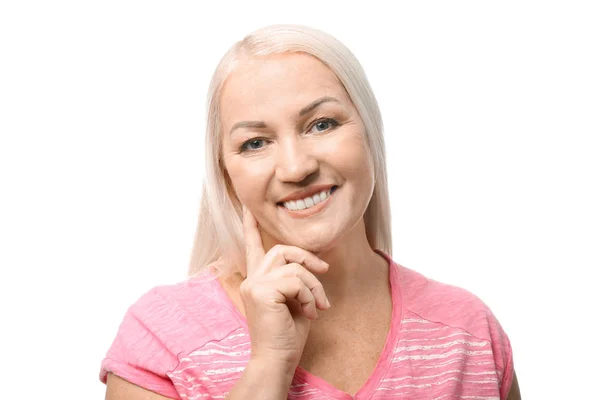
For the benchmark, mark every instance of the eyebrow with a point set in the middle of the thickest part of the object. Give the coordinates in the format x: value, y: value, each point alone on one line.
x: 303, y: 111
x: 316, y: 104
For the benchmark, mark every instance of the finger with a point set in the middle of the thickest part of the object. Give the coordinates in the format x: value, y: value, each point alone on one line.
x: 309, y: 280
x: 281, y: 255
x: 254, y: 246
x: 294, y: 289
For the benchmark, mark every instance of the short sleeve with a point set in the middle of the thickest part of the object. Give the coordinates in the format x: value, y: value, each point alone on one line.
x: 138, y: 353
x: 503, y: 356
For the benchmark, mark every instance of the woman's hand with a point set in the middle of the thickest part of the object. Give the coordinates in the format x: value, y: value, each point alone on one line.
x: 280, y: 295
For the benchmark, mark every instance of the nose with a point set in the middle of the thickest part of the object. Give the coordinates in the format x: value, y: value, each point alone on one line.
x: 295, y: 161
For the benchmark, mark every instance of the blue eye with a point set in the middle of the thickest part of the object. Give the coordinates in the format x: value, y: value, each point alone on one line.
x: 252, y: 144
x: 325, y: 124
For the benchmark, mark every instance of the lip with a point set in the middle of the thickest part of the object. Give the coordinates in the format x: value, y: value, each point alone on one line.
x: 308, y: 212
x: 304, y: 193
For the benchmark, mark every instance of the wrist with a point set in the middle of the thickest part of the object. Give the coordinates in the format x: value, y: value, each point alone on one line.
x: 262, y: 379
x: 279, y: 369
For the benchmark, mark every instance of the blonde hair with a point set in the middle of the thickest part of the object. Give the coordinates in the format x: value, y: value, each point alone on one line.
x: 219, y: 235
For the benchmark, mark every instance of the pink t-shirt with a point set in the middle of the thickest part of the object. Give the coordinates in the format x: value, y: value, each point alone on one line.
x: 188, y: 341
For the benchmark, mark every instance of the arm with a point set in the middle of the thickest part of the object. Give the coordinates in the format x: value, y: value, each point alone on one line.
x: 514, y: 393
x: 119, y: 389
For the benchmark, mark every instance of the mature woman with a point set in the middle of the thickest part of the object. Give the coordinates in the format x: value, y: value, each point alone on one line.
x: 292, y: 291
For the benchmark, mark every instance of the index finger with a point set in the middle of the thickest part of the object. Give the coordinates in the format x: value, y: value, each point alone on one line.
x: 254, y: 246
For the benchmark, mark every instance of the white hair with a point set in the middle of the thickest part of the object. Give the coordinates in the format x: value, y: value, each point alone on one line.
x: 219, y: 235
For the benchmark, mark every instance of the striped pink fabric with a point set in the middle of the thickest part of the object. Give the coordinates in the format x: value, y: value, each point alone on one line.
x: 188, y: 341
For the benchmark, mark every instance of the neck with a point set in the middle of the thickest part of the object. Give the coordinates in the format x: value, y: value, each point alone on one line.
x: 354, y: 268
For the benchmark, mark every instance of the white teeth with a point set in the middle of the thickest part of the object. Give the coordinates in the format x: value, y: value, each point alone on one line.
x: 300, y: 205
x: 307, y: 202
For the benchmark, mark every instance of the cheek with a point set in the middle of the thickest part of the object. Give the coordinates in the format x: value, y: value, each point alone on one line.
x: 249, y: 180
x: 355, y: 158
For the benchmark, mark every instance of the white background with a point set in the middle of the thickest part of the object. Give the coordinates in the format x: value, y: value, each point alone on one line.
x: 492, y: 117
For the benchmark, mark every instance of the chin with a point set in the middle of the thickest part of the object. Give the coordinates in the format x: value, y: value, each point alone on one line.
x: 316, y: 247
x: 315, y: 242
x: 317, y: 236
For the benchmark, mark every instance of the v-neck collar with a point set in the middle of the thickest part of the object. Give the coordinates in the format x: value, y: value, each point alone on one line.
x: 309, y: 380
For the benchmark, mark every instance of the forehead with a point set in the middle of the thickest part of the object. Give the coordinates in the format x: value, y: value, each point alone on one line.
x: 277, y: 84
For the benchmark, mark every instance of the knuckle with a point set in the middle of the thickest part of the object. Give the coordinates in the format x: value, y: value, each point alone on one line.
x: 249, y: 288
x: 302, y: 255
x: 278, y: 249
x: 321, y: 289
x: 297, y: 268
x: 318, y: 288
x: 255, y: 294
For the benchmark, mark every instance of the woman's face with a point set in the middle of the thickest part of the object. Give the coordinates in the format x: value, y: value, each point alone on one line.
x: 290, y: 132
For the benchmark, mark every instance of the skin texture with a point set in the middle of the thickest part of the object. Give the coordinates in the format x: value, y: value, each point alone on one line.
x: 119, y: 389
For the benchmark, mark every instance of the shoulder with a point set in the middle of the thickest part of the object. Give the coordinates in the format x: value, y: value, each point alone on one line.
x: 184, y: 313
x: 444, y: 321
x: 166, y: 322
x: 446, y: 304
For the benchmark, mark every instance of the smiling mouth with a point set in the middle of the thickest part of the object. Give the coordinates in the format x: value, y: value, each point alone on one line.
x: 308, y: 202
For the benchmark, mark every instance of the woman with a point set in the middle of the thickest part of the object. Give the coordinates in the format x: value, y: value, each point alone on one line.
x: 295, y: 227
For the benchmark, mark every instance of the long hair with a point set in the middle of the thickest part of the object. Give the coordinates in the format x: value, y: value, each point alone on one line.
x: 219, y: 236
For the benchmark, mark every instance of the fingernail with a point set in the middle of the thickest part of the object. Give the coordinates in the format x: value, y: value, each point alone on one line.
x: 328, y: 303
